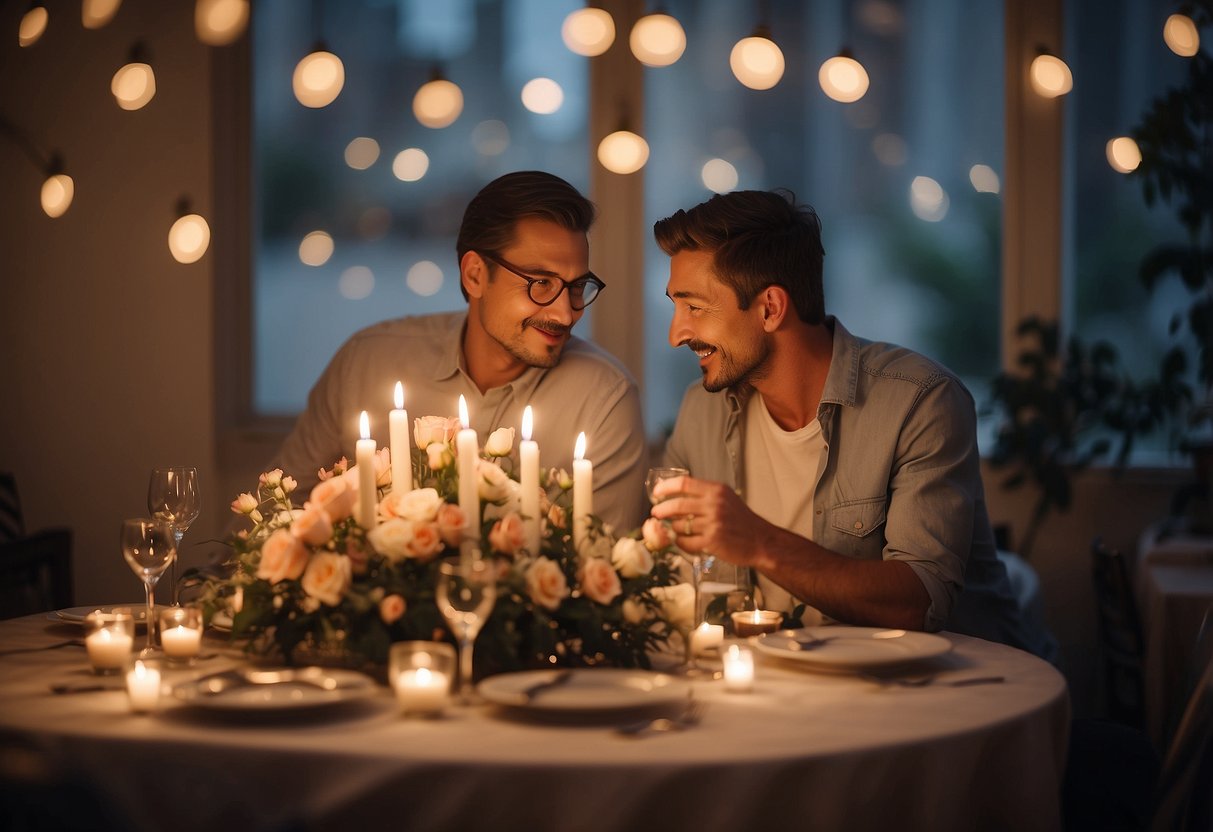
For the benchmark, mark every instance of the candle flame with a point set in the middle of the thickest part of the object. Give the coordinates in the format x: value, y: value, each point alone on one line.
x: 579, y: 448
x: 364, y: 426
x: 399, y: 396
x: 423, y: 675
x: 527, y: 423
x: 463, y: 412
x: 757, y: 617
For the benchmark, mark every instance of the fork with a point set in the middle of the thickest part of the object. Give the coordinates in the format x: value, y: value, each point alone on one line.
x: 923, y: 681
x: 690, y: 716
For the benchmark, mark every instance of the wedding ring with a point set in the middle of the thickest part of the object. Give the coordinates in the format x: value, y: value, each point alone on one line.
x: 687, y: 526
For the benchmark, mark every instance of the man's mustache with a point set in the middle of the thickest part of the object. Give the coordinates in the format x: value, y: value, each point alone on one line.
x: 696, y: 346
x: 550, y: 327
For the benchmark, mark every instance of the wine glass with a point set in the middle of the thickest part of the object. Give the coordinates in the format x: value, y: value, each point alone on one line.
x: 467, y: 588
x: 149, y: 546
x: 172, y: 495
x: 656, y: 475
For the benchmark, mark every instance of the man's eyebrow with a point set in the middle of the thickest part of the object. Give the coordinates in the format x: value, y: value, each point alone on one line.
x: 684, y: 295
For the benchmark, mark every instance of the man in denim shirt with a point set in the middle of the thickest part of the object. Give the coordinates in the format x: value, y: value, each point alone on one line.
x: 845, y: 473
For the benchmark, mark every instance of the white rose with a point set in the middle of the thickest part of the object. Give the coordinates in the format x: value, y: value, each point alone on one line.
x: 546, y: 584
x: 327, y: 578
x: 677, y: 605
x: 500, y: 442
x: 439, y: 456
x: 392, y: 538
x: 430, y: 429
x: 631, y: 558
x: 634, y: 612
x: 494, y: 485
x: 420, y: 504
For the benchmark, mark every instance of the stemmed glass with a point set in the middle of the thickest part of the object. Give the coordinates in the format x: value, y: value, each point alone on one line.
x: 466, y: 591
x: 172, y: 495
x: 696, y: 562
x: 149, y: 546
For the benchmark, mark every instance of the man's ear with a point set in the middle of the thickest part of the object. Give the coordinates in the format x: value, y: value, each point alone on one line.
x: 775, y: 304
x: 473, y: 274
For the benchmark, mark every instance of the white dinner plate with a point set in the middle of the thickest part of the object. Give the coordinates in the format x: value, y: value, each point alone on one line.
x: 75, y: 615
x: 852, y: 648
x: 588, y: 690
x: 285, y: 689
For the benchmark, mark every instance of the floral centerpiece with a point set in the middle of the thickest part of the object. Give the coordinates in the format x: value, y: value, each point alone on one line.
x: 308, y: 576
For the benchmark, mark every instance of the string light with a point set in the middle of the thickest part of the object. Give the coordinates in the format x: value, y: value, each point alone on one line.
x: 438, y: 102
x: 57, y: 193
x: 318, y: 78
x: 134, y: 84
x: 757, y: 61
x: 657, y: 40
x: 542, y: 95
x: 33, y: 25
x: 96, y: 13
x: 220, y: 22
x: 843, y: 78
x: 1181, y: 35
x: 58, y: 189
x: 316, y: 248
x: 361, y: 153
x: 1050, y: 76
x: 1123, y: 154
x: 588, y: 31
x: 623, y: 152
x: 190, y: 236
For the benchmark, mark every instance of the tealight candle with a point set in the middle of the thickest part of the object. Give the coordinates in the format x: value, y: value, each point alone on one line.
x: 398, y: 436
x: 423, y: 691
x: 109, y: 640
x: 143, y: 686
x: 367, y: 490
x: 756, y: 622
x: 583, y: 493
x: 181, y: 632
x: 738, y: 668
x: 528, y: 457
x: 706, y: 638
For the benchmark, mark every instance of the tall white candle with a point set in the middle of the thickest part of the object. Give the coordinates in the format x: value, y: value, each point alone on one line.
x: 583, y: 493
x: 398, y: 436
x: 528, y: 456
x: 467, y: 450
x: 365, y: 459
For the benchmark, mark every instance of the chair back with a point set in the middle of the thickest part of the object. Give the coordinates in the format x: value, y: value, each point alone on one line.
x: 1121, y: 644
x: 12, y: 526
x: 1185, y: 786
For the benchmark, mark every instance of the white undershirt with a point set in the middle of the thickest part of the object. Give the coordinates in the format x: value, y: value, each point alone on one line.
x: 781, y: 473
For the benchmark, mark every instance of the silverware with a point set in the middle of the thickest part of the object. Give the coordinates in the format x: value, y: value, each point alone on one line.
x: 559, y: 678
x: 796, y: 643
x: 82, y: 688
x: 690, y: 716
x: 72, y: 643
x: 930, y: 678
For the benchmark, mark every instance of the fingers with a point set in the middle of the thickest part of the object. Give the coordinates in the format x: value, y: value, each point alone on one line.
x: 674, y: 485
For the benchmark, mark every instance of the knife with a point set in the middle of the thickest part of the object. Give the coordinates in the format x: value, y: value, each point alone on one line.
x: 531, y: 691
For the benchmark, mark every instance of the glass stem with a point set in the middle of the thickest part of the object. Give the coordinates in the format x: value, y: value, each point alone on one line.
x: 465, y: 670
x: 150, y: 621
x: 178, y: 533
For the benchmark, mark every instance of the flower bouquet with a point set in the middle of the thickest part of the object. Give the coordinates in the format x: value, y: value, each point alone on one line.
x: 308, y: 577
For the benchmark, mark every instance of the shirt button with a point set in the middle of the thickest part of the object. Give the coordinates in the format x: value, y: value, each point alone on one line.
x: 819, y: 512
x: 858, y: 524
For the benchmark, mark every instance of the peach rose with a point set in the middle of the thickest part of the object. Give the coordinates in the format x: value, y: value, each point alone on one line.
x: 337, y: 470
x: 391, y: 608
x: 399, y: 538
x: 508, y: 535
x: 420, y: 504
x: 273, y: 478
x: 313, y: 526
x: 283, y: 557
x: 383, y: 467
x: 335, y: 496
x: 451, y: 521
x: 656, y: 534
x: 546, y: 584
x: 245, y: 504
x: 631, y: 558
x: 599, y: 581
x: 327, y: 578
x: 430, y: 429
x: 558, y: 517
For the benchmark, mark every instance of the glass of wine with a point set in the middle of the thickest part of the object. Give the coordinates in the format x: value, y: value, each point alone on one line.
x: 149, y: 546
x: 172, y: 495
x: 466, y: 591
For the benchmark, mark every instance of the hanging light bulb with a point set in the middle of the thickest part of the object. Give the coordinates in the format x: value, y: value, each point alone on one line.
x: 438, y: 102
x: 189, y: 237
x: 588, y: 31
x: 1123, y: 154
x: 33, y: 24
x: 318, y: 78
x: 1181, y: 35
x: 57, y: 193
x: 220, y: 22
x: 623, y: 152
x: 316, y: 248
x: 542, y: 95
x: 1050, y: 76
x: 843, y: 78
x: 96, y: 13
x: 756, y: 61
x: 657, y: 40
x: 134, y: 84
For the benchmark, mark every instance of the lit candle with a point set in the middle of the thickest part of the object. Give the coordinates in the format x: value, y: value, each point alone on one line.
x: 756, y: 622
x: 143, y: 686
x: 422, y: 691
x: 180, y: 642
x: 108, y: 649
x: 398, y: 436
x: 528, y: 456
x: 467, y: 451
x: 583, y: 493
x: 365, y: 459
x: 706, y: 638
x: 738, y: 668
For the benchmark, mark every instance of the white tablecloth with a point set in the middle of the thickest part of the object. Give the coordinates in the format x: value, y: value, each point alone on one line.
x: 814, y: 750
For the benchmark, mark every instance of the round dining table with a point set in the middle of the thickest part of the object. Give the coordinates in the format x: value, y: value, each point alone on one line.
x: 918, y: 748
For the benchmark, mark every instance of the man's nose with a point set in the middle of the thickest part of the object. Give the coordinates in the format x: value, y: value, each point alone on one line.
x: 561, y: 310
x: 679, y: 331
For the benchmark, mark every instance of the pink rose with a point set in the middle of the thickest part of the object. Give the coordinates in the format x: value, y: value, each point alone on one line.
x: 391, y: 608
x: 508, y: 535
x: 599, y: 581
x: 546, y: 584
x: 327, y: 578
x: 558, y: 517
x: 451, y: 521
x: 427, y: 541
x: 245, y: 504
x: 313, y: 526
x: 656, y: 534
x: 340, y: 468
x: 335, y: 496
x: 283, y: 557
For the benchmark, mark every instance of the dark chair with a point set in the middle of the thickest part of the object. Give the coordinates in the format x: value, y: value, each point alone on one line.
x: 35, y: 569
x: 1185, y: 786
x: 1121, y: 644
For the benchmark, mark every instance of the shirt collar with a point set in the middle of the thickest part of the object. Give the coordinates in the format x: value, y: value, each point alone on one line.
x: 842, y: 381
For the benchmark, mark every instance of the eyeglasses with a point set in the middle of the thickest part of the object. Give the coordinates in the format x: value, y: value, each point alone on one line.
x: 543, y: 291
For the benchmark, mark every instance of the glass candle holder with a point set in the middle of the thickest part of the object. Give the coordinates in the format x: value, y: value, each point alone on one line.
x: 181, y: 633
x: 738, y: 668
x: 421, y: 673
x: 143, y: 684
x: 108, y: 638
x: 756, y: 622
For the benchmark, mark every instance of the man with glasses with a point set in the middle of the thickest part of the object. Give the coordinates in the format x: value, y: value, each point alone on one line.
x: 524, y: 271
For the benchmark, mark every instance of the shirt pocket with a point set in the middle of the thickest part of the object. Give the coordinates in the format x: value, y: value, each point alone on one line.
x: 859, y: 518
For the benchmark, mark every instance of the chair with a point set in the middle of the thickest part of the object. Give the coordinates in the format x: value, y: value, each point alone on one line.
x: 1121, y: 643
x: 35, y: 569
x: 1185, y: 786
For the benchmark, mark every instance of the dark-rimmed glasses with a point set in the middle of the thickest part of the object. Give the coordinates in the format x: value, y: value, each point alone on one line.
x: 543, y: 291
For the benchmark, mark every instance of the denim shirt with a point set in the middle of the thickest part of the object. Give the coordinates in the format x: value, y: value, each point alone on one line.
x: 901, y: 481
